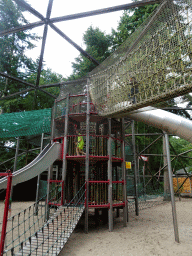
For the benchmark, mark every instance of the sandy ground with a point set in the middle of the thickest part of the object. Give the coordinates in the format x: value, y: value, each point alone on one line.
x: 150, y: 233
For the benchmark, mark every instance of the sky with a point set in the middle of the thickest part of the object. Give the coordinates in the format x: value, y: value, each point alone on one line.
x: 59, y: 54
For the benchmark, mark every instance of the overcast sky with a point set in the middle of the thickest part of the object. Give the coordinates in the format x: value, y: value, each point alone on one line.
x: 59, y: 53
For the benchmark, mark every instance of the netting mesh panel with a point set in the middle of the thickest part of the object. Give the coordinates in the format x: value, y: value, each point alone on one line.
x: 153, y: 65
x: 60, y: 108
x: 78, y: 104
x: 25, y: 123
x: 73, y: 88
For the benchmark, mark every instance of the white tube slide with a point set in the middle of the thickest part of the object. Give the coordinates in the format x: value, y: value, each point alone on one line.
x: 164, y: 120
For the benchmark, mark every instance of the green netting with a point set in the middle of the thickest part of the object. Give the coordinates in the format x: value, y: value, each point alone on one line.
x: 25, y: 123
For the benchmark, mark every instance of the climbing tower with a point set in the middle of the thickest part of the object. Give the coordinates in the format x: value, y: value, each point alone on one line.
x: 100, y: 165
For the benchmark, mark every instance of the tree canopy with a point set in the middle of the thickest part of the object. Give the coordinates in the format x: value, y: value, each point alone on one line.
x: 97, y: 45
x: 14, y: 62
x: 129, y: 22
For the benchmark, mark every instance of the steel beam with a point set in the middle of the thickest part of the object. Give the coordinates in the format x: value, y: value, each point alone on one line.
x: 27, y: 7
x: 87, y: 161
x: 65, y: 142
x: 110, y: 185
x: 25, y: 83
x: 22, y: 28
x: 38, y: 179
x: 125, y: 208
x: 105, y: 10
x: 171, y: 188
x: 71, y: 16
x: 150, y: 144
x: 74, y: 44
x: 135, y: 169
x: 49, y: 8
x: 16, y: 93
x: 65, y: 83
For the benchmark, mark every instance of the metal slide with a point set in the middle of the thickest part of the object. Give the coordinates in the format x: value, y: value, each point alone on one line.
x: 37, y: 166
x: 166, y: 121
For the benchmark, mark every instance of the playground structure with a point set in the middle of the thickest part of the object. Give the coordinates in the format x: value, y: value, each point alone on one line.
x: 103, y: 166
x: 100, y: 173
x: 70, y: 113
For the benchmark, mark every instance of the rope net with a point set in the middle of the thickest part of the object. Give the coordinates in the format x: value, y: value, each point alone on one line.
x: 43, y: 229
x: 25, y: 123
x: 153, y: 65
x: 73, y: 88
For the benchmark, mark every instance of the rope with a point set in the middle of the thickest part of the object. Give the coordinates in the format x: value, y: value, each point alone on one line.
x: 153, y: 65
x: 29, y: 230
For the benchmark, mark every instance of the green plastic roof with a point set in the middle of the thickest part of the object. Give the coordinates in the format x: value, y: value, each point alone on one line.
x: 25, y: 123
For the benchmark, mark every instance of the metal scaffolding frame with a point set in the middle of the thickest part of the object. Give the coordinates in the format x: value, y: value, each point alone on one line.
x: 47, y: 21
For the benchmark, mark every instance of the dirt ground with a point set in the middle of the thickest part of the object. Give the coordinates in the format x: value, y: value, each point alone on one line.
x: 150, y: 233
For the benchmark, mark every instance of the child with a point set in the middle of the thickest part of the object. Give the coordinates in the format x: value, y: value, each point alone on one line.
x: 79, y: 144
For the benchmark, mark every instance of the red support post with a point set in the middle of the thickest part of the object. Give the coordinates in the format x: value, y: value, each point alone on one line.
x: 99, y: 181
x: 6, y: 209
x: 118, y: 182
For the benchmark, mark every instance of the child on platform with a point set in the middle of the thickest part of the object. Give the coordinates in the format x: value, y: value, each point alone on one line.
x: 79, y: 144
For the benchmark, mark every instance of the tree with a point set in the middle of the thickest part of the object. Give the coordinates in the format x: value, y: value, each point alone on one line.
x: 14, y: 62
x: 130, y: 20
x: 12, y: 49
x: 42, y: 99
x: 180, y: 145
x: 97, y: 45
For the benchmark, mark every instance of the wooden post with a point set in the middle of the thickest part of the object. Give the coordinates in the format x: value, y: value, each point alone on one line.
x: 171, y: 188
x: 135, y: 168
x: 110, y: 188
x: 87, y: 161
x: 64, y: 169
x: 125, y: 212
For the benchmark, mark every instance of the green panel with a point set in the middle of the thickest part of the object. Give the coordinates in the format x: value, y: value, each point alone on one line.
x: 25, y: 123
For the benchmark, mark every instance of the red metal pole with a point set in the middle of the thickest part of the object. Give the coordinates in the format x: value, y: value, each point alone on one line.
x: 6, y: 209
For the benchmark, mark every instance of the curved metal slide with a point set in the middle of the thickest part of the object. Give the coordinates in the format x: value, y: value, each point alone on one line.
x: 36, y: 167
x: 161, y: 119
